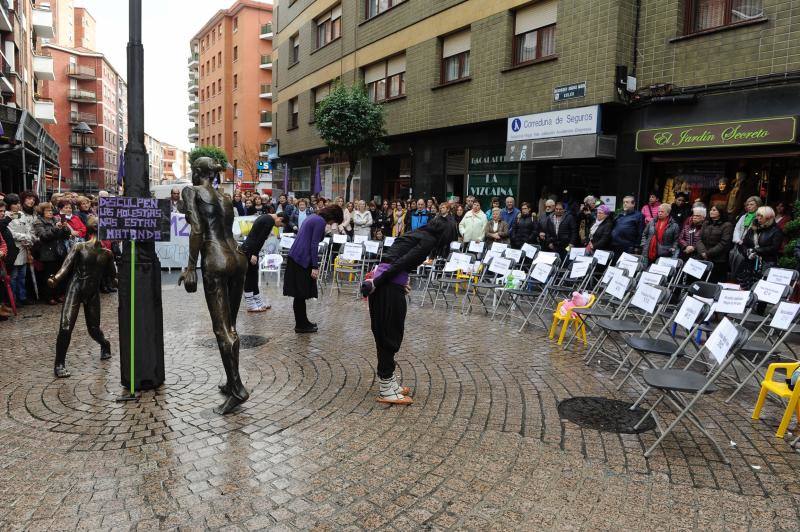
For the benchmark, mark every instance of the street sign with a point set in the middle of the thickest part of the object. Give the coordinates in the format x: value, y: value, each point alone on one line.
x: 263, y: 165
x: 568, y: 92
x: 140, y: 219
x: 239, y: 173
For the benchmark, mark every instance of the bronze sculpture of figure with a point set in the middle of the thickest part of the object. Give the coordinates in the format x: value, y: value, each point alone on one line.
x: 210, y: 215
x: 88, y: 263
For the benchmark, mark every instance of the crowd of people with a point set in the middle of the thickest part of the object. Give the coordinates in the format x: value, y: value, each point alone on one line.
x: 35, y: 237
x: 738, y: 246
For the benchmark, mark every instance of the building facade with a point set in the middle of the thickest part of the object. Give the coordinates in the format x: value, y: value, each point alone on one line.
x: 155, y: 152
x: 230, y: 80
x: 29, y: 156
x: 87, y: 90
x: 531, y: 99
x: 175, y: 163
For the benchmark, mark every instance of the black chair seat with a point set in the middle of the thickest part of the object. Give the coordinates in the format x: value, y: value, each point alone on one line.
x: 594, y: 312
x: 451, y: 281
x: 676, y: 380
x: 708, y: 327
x: 651, y: 345
x: 486, y: 285
x: 520, y: 292
x: 754, y: 346
x: 562, y: 288
x: 620, y: 325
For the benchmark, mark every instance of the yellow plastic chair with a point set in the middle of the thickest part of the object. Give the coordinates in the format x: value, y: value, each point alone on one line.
x: 466, y: 276
x: 782, y: 390
x: 568, y: 320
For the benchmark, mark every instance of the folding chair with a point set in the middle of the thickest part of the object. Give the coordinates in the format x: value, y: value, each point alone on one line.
x: 486, y: 283
x: 542, y: 277
x: 609, y: 299
x: 671, y: 384
x: 448, y: 277
x: 349, y: 268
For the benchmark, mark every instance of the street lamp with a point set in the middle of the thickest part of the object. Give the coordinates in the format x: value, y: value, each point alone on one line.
x: 84, y: 131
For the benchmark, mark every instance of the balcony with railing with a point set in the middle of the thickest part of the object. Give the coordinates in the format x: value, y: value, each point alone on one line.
x: 194, y: 108
x: 78, y: 95
x: 76, y: 117
x: 43, y: 67
x: 81, y: 72
x: 5, y: 19
x: 192, y: 85
x: 42, y: 22
x: 194, y: 59
x: 266, y: 31
x: 193, y: 134
x: 266, y: 119
x: 265, y: 91
x: 44, y: 110
x: 266, y: 62
x: 85, y: 163
x: 77, y: 139
x: 6, y: 83
x: 263, y: 150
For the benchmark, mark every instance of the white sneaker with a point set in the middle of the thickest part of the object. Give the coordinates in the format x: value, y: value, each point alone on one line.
x: 390, y: 393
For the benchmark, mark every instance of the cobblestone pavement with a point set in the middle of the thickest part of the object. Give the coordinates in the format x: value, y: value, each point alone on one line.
x: 482, y: 447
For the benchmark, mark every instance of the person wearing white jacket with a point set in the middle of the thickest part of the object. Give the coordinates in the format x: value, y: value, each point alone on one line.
x: 473, y: 224
x: 362, y: 220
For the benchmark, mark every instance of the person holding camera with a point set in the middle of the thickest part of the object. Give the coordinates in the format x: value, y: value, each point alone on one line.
x: 760, y: 246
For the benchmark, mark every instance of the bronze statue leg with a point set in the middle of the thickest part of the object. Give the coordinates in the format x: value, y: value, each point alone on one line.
x: 218, y: 300
x: 91, y: 311
x: 69, y: 314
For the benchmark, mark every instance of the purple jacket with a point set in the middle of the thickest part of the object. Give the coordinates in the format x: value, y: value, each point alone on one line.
x: 305, y: 250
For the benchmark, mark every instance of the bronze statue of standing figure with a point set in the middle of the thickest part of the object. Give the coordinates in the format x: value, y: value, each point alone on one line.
x: 89, y: 264
x: 210, y: 215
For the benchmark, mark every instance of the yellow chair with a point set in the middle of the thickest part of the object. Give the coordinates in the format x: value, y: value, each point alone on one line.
x: 568, y: 320
x: 782, y: 390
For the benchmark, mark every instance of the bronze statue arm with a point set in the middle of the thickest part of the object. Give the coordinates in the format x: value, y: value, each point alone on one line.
x: 189, y: 275
x: 65, y: 269
x: 111, y: 269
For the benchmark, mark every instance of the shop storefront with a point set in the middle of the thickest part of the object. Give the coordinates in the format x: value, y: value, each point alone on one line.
x: 720, y: 147
x: 568, y: 154
x: 724, y: 162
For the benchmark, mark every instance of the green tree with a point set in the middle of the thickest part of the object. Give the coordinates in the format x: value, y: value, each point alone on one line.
x: 791, y: 232
x: 209, y: 151
x: 351, y: 125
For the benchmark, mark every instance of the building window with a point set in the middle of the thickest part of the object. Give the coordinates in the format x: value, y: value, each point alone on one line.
x: 455, y: 57
x: 709, y: 14
x: 235, y: 81
x: 329, y: 26
x: 320, y: 93
x: 235, y: 53
x: 213, y: 63
x: 235, y: 138
x: 219, y: 112
x: 387, y: 79
x: 219, y: 86
x: 219, y: 59
x: 294, y: 113
x: 376, y: 7
x: 235, y: 24
x: 535, y: 32
x: 294, y: 56
x: 213, y: 89
x: 236, y: 110
x: 213, y: 116
x: 202, y: 70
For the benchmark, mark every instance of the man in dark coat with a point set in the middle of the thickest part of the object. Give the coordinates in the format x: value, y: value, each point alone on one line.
x: 628, y: 228
x: 561, y: 230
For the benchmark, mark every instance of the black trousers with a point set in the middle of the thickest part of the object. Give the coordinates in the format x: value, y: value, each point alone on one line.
x: 251, y: 278
x: 387, y: 314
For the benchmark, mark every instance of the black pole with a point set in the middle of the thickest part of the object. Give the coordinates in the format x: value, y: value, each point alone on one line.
x: 149, y: 333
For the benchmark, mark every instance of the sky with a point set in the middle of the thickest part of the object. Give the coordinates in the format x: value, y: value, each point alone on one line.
x: 167, y: 26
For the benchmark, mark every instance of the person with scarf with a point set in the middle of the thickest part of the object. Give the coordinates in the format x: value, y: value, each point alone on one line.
x: 399, y: 219
x: 238, y: 205
x: 386, y: 290
x: 650, y: 211
x: 691, y: 233
x: 744, y: 222
x: 660, y: 238
x: 760, y: 246
x: 600, y: 230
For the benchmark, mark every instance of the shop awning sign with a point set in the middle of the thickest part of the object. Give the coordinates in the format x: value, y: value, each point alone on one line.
x: 562, y: 123
x: 762, y: 132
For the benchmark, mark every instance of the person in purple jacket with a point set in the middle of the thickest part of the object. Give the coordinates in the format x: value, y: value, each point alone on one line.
x: 300, y: 280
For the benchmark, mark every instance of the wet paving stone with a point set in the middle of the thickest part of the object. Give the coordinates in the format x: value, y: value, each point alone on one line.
x: 484, y: 445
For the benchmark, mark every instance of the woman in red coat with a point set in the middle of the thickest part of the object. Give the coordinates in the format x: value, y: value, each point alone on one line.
x: 76, y: 226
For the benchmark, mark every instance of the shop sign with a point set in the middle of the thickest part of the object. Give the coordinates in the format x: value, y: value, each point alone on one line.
x: 563, y: 123
x: 568, y: 92
x: 782, y: 130
x: 489, y: 175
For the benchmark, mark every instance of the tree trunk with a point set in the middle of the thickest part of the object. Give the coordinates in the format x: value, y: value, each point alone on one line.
x: 349, y: 181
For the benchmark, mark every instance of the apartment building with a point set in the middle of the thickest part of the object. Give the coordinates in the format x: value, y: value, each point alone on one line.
x: 155, y: 152
x: 28, y: 155
x: 230, y: 86
x: 533, y: 98
x: 175, y: 163
x: 88, y: 93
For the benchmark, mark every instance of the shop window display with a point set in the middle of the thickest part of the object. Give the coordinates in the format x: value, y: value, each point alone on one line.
x: 728, y: 182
